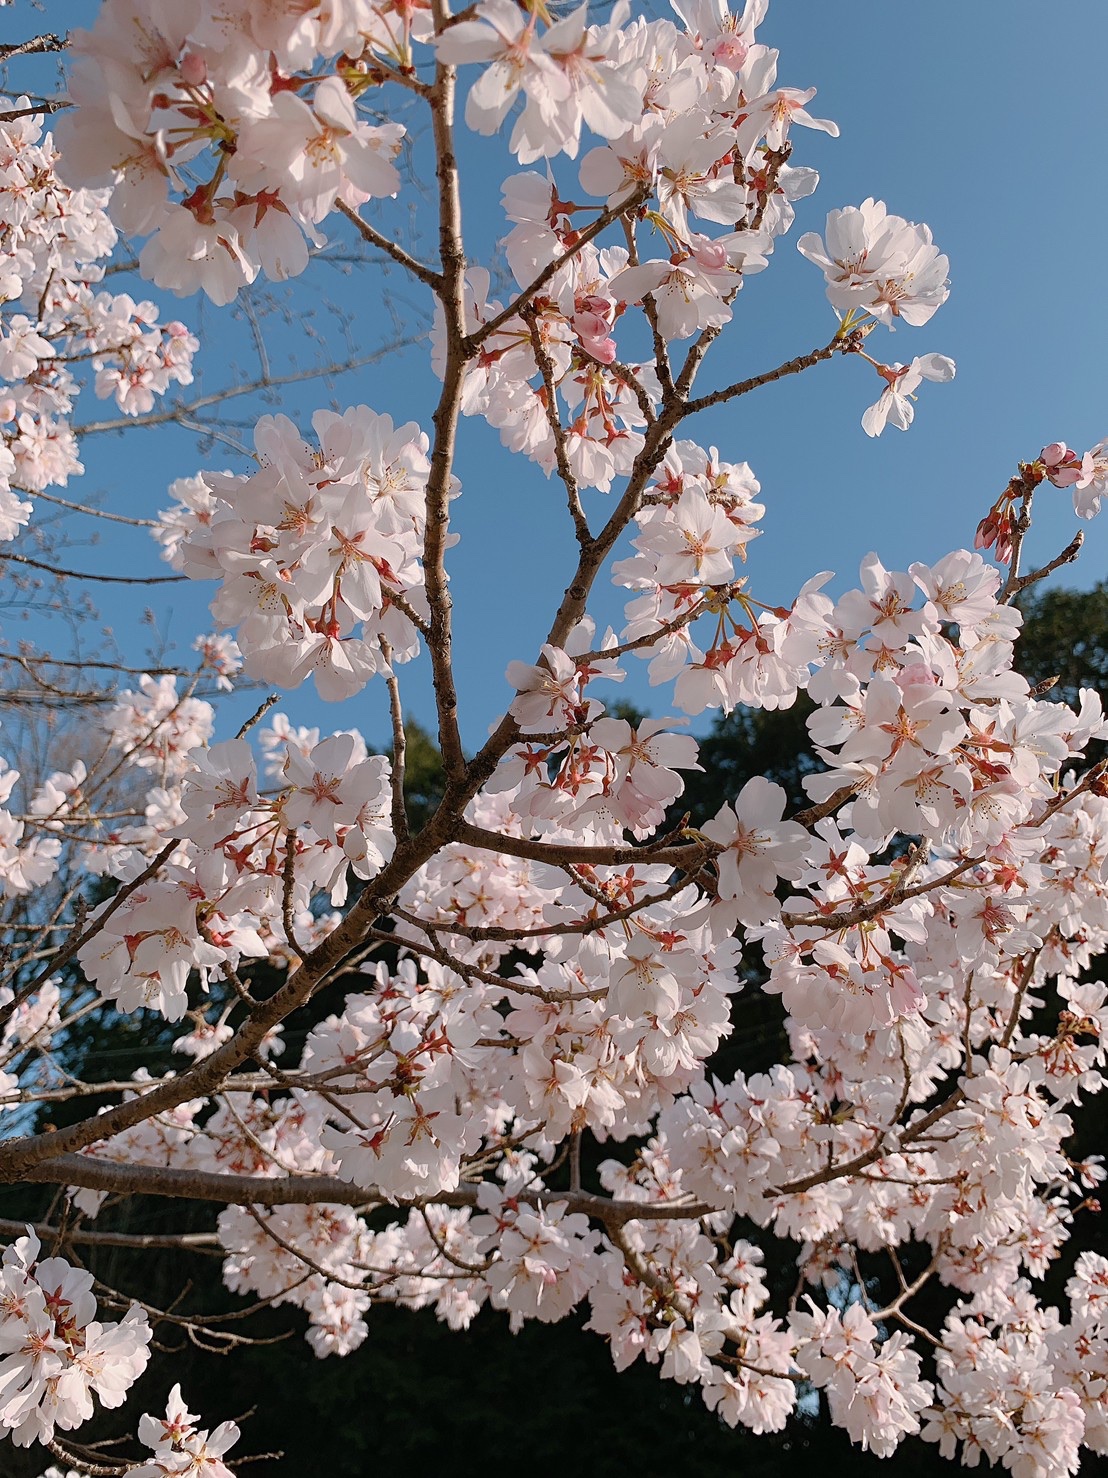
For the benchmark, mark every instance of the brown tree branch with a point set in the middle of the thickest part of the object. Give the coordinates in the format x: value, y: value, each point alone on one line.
x: 744, y: 387
x: 127, y: 1178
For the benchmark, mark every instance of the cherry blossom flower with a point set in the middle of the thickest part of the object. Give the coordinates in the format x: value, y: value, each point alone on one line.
x: 879, y: 262
x: 895, y: 408
x: 179, y: 1447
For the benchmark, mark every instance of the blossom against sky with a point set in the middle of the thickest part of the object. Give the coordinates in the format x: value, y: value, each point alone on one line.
x: 952, y: 121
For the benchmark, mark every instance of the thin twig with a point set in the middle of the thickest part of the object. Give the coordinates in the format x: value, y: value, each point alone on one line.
x: 38, y: 564
x: 790, y: 367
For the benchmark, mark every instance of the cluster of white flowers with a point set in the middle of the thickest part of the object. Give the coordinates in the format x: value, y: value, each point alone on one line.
x: 168, y: 94
x: 432, y: 1068
x: 180, y: 1449
x: 53, y: 241
x: 29, y: 1022
x: 58, y: 1358
x: 247, y: 863
x: 312, y: 546
x: 26, y: 861
x: 546, y: 965
x: 1020, y: 1387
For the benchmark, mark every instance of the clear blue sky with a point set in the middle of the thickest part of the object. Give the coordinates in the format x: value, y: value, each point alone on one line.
x: 987, y: 121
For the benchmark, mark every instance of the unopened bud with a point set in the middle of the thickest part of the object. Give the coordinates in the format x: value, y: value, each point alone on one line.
x: 193, y: 69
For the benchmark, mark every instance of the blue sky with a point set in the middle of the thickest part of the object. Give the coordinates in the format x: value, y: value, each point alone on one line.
x: 987, y: 121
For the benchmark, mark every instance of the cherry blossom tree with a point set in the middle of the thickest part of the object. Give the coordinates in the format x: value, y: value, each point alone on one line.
x: 545, y: 964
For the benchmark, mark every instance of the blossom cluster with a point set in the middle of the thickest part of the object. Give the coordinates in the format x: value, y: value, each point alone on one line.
x: 59, y: 1360
x: 557, y: 954
x: 26, y: 859
x: 247, y: 864
x: 54, y: 240
x: 168, y: 95
x: 896, y: 975
x: 179, y: 1447
x: 314, y: 546
x: 1058, y: 465
x: 30, y: 1023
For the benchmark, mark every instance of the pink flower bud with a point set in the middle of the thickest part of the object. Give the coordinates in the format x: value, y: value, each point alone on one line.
x: 987, y: 531
x: 730, y: 52
x: 592, y: 330
x: 593, y: 303
x: 1062, y: 466
x: 712, y: 255
x: 193, y: 69
x: 916, y: 675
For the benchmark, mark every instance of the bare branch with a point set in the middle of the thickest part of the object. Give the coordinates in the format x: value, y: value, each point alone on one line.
x: 689, y: 855
x: 138, y: 523
x: 451, y: 291
x: 34, y: 47
x: 179, y: 409
x: 1017, y: 583
x: 426, y: 275
x: 557, y: 430
x: 400, y: 827
x: 141, y: 1241
x: 258, y: 714
x: 790, y: 367
x: 95, y: 1173
x: 38, y: 564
